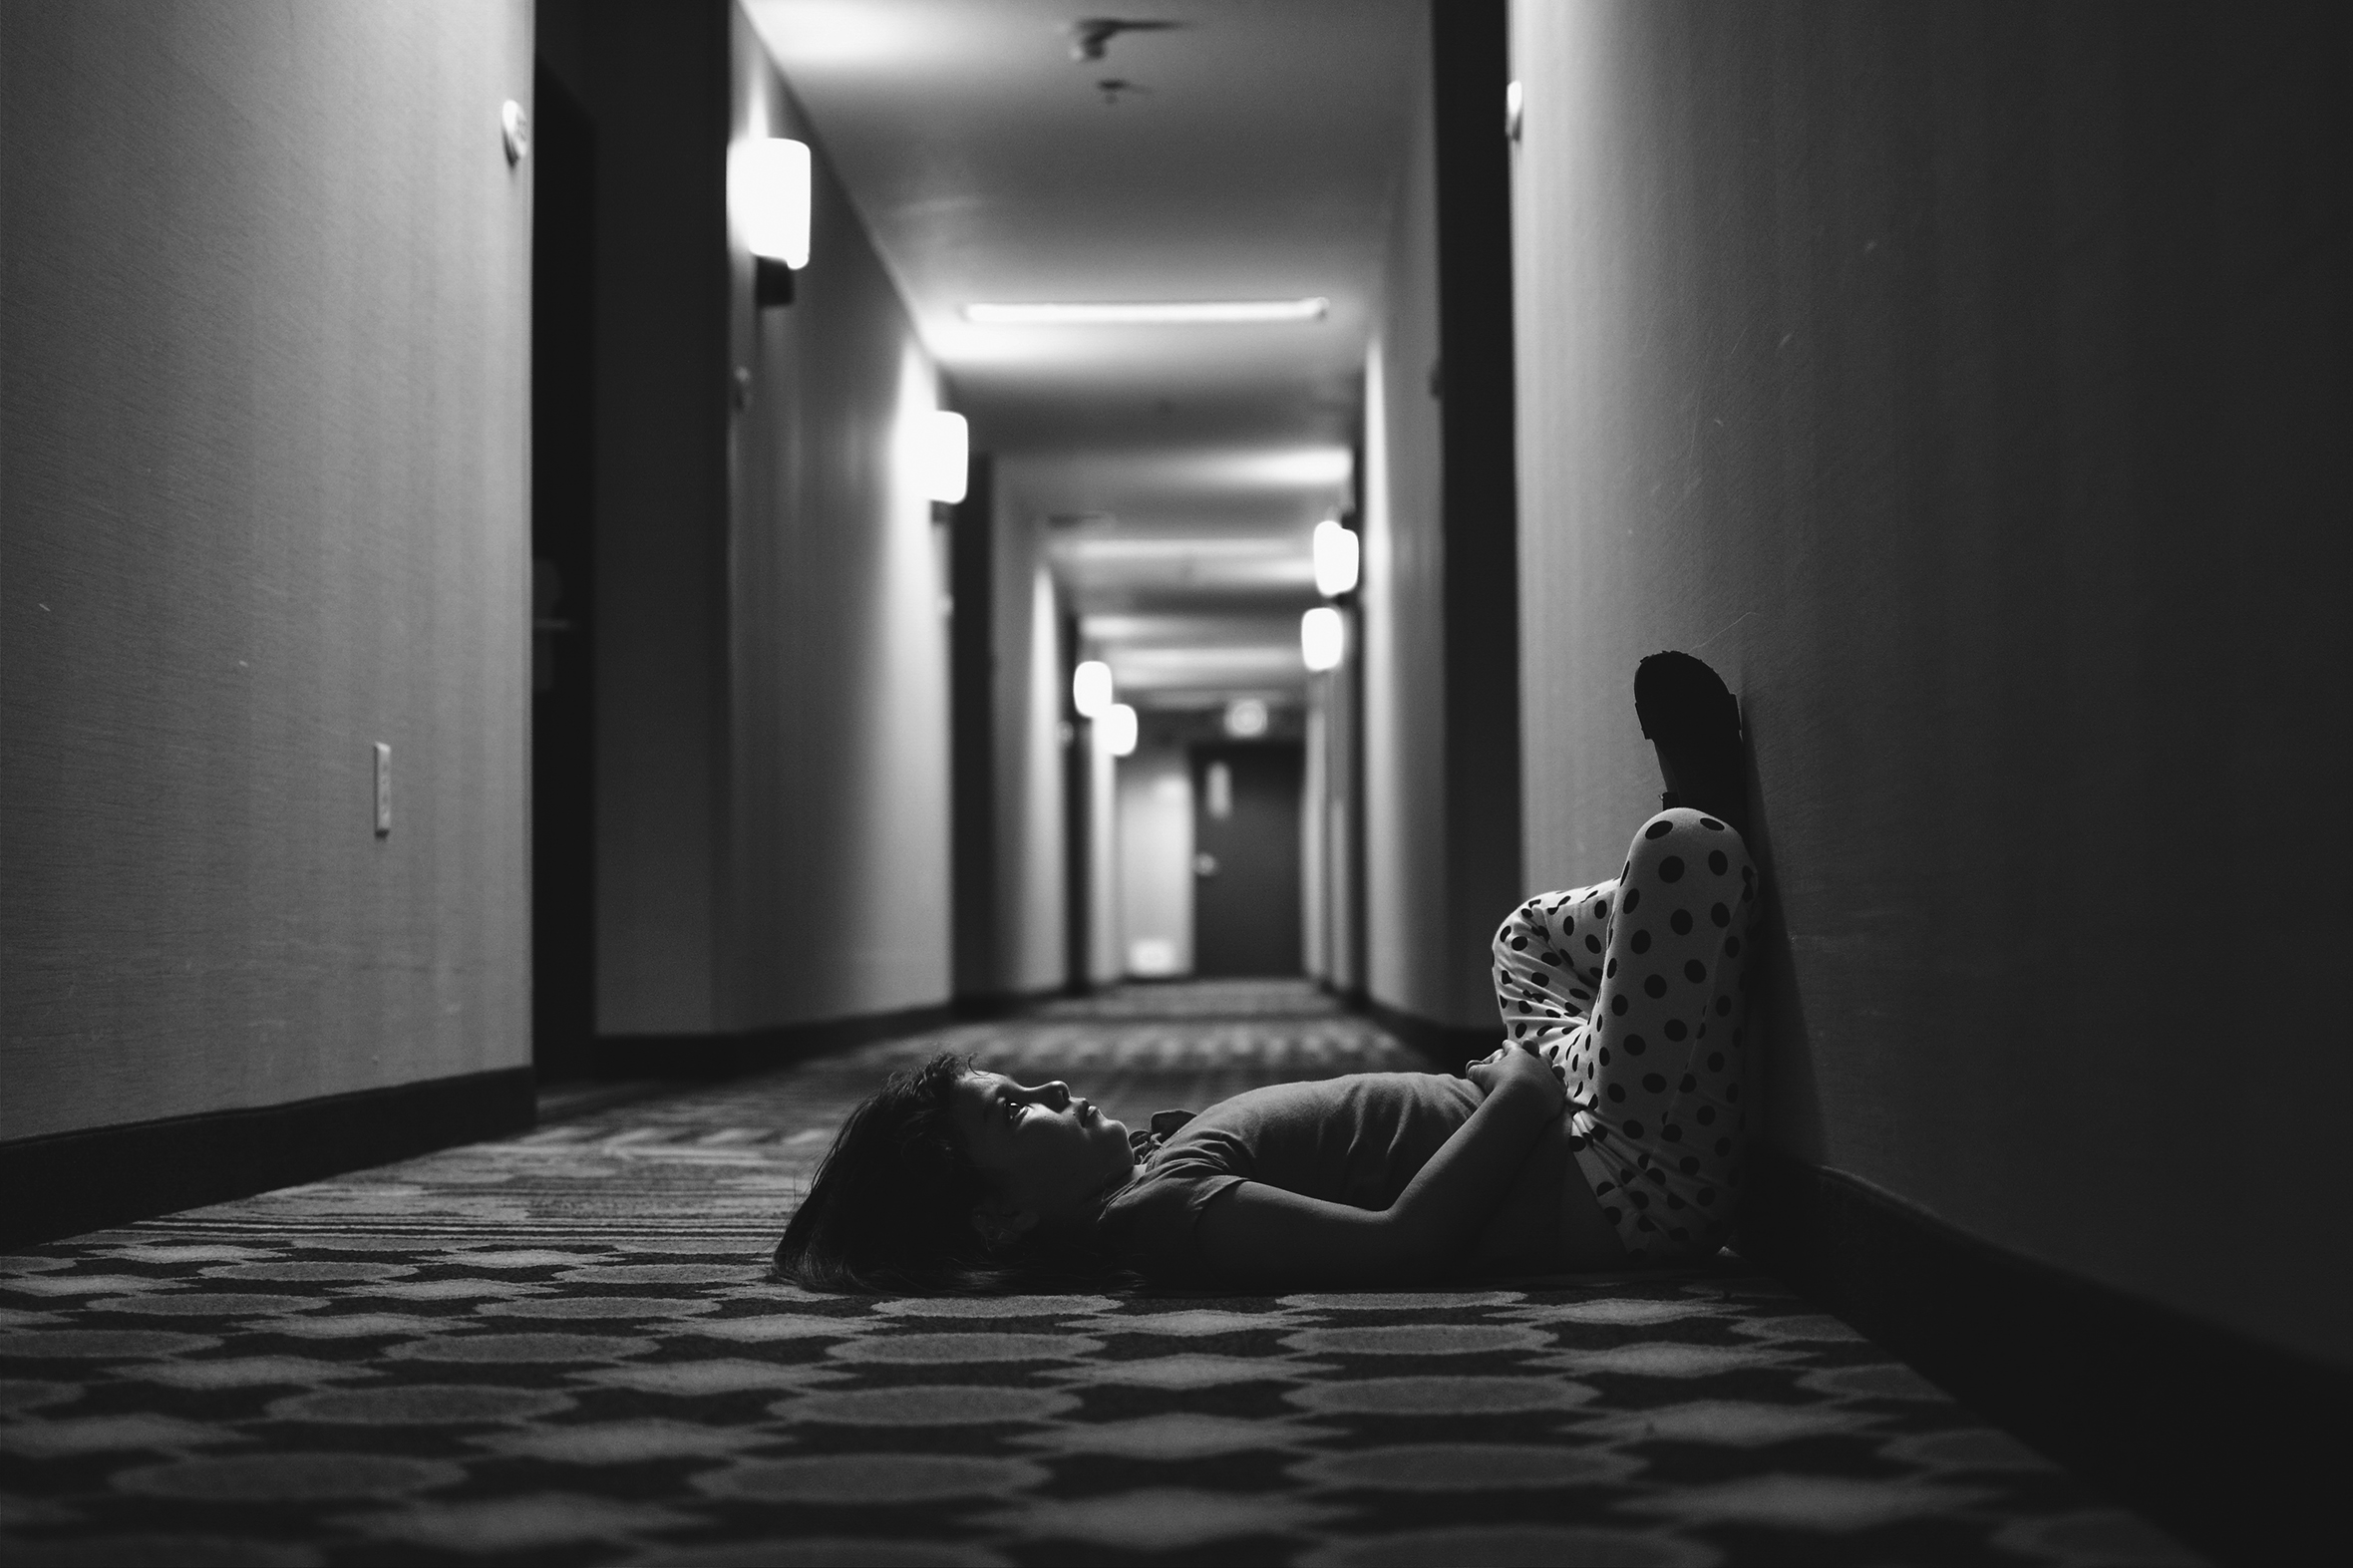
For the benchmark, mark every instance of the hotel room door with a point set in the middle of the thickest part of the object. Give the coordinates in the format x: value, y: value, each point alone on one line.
x: 1245, y: 837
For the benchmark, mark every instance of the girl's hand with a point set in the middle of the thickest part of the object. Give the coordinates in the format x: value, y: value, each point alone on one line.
x: 1518, y: 1064
x: 1266, y: 1235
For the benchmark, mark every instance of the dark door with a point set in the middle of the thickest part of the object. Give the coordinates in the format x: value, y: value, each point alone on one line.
x: 563, y: 559
x: 1245, y: 866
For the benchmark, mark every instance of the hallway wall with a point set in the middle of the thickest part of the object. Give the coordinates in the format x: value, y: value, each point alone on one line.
x: 1107, y: 954
x: 772, y: 740
x: 263, y: 502
x: 1441, y: 841
x: 654, y: 79
x: 1403, y: 595
x: 1967, y: 384
x: 1334, y: 857
x: 839, y: 744
x: 1315, y: 837
x: 1032, y: 887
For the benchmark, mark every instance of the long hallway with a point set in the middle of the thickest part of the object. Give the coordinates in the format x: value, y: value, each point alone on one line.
x: 564, y: 1347
x: 579, y: 578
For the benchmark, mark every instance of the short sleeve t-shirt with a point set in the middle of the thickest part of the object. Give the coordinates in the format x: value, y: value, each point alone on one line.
x: 1357, y: 1141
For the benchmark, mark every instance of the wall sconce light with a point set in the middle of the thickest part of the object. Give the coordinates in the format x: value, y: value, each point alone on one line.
x: 947, y: 454
x: 768, y: 196
x: 1116, y: 729
x: 1090, y: 689
x: 1337, y: 555
x: 1323, y: 638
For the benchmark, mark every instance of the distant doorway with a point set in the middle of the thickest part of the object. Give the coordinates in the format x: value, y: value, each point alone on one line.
x: 563, y: 562
x: 1245, y: 839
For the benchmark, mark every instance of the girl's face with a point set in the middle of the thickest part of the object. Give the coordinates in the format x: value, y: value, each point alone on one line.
x: 1046, y: 1152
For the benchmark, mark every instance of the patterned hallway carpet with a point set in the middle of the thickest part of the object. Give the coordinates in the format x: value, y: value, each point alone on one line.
x: 564, y: 1349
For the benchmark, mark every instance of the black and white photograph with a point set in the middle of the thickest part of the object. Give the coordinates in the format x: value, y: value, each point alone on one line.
x: 1327, y: 784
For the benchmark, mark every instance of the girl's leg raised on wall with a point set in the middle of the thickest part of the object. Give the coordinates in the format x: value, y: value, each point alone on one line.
x: 1657, y: 1076
x: 1548, y: 960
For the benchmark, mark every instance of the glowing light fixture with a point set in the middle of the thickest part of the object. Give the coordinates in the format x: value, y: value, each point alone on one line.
x: 768, y: 200
x: 948, y: 447
x: 1090, y: 689
x: 1245, y: 718
x: 1157, y: 313
x: 1323, y: 638
x: 1337, y: 555
x: 1305, y: 467
x: 768, y: 196
x: 1116, y: 729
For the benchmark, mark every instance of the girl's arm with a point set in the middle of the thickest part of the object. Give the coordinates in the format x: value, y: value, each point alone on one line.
x: 1263, y: 1234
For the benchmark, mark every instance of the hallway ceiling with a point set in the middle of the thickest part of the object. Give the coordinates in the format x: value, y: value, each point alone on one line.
x: 1161, y: 660
x: 1249, y: 152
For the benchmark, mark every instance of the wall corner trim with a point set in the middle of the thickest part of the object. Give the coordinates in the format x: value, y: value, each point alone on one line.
x: 2204, y: 1432
x: 66, y: 1183
x: 704, y: 1057
x: 986, y: 1006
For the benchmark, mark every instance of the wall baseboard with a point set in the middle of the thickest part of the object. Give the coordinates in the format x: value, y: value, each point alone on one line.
x: 981, y: 1006
x: 1450, y: 1046
x: 66, y: 1183
x: 701, y: 1058
x: 2214, y: 1436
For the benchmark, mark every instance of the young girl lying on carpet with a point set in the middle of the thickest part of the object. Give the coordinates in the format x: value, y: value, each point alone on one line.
x: 1605, y: 1133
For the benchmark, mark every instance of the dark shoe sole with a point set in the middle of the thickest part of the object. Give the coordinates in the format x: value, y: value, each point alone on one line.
x: 1686, y: 710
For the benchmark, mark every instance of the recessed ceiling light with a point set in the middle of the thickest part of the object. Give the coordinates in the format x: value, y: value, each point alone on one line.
x: 1166, y: 312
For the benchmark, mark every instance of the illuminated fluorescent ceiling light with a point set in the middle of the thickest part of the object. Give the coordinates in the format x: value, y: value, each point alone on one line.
x: 1173, y: 312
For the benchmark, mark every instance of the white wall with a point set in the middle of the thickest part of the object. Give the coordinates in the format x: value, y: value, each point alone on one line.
x: 264, y: 370
x: 1402, y: 599
x: 1935, y: 374
x: 840, y: 730
x: 1338, y: 710
x: 1033, y: 887
x: 812, y: 629
x: 1155, y: 862
x: 1315, y: 832
x: 1107, y: 957
x: 1031, y: 951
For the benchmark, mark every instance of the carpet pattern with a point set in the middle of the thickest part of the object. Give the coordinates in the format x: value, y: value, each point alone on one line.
x: 564, y: 1349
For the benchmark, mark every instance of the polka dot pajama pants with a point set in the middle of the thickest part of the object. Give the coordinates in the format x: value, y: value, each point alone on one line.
x: 1633, y: 990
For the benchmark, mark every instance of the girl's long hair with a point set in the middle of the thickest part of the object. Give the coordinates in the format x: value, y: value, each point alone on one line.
x: 889, y: 1210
